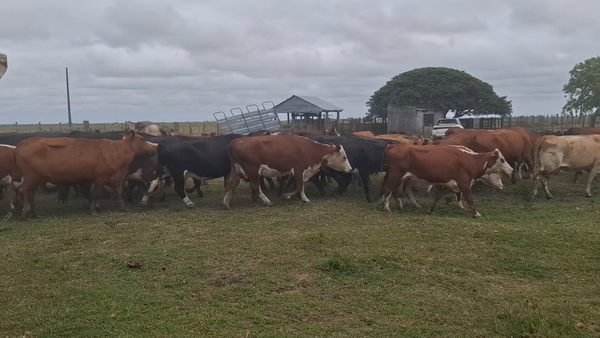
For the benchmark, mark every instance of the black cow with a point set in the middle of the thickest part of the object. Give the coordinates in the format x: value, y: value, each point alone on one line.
x: 203, y: 159
x: 364, y: 154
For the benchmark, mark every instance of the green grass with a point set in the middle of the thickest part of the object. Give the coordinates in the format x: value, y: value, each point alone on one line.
x: 336, y: 267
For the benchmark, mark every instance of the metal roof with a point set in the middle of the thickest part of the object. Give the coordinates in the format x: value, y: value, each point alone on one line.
x: 306, y: 104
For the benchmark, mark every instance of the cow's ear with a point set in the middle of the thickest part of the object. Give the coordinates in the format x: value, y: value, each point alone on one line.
x: 338, y: 147
x: 496, y: 153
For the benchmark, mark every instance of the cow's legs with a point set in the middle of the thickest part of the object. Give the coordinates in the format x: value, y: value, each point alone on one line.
x: 255, y: 186
x: 591, y: 175
x: 271, y: 183
x: 316, y: 180
x: 299, y: 183
x: 98, y: 191
x: 388, y: 186
x: 155, y: 183
x: 179, y: 187
x: 364, y: 177
x: 63, y: 193
x: 231, y: 184
x: 197, y: 186
x: 468, y: 195
x: 513, y: 177
x: 118, y: 190
x: 283, y: 184
x: 263, y: 186
x: 438, y: 193
x: 407, y: 188
x: 545, y: 185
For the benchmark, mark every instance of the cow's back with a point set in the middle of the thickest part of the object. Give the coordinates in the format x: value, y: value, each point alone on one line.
x: 65, y: 160
x: 574, y: 152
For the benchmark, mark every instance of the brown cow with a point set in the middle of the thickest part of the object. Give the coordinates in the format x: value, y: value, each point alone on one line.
x: 463, y: 138
x: 363, y: 134
x: 71, y: 161
x: 277, y: 156
x: 516, y: 144
x: 402, y: 138
x: 448, y: 168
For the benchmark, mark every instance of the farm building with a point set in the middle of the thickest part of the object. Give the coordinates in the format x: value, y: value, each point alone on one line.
x: 410, y: 120
x: 309, y: 112
x: 414, y: 121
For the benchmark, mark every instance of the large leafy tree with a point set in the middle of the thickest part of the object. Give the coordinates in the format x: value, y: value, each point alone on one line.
x: 439, y: 88
x: 583, y: 89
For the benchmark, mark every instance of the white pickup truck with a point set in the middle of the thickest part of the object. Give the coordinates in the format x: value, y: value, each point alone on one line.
x: 441, y: 125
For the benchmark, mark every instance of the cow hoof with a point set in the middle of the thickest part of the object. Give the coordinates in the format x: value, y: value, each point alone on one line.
x: 588, y: 195
x: 124, y: 210
x: 285, y: 196
x: 477, y: 215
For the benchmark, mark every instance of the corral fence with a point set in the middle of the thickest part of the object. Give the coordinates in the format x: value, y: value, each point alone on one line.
x: 193, y: 128
x: 346, y: 126
x: 549, y: 122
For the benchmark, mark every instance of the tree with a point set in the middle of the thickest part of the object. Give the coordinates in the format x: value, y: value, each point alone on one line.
x: 583, y: 89
x: 439, y: 88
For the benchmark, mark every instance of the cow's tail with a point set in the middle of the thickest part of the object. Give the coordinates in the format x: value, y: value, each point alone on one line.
x: 383, y: 159
x: 537, y: 149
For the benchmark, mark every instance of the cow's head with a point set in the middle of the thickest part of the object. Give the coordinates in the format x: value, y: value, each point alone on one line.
x: 498, y: 164
x: 493, y: 180
x: 337, y: 160
x: 139, y: 145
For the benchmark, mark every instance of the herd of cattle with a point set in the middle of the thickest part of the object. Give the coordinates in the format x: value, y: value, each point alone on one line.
x: 89, y: 162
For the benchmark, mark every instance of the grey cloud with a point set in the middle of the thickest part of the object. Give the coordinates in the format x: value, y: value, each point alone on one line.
x: 184, y: 59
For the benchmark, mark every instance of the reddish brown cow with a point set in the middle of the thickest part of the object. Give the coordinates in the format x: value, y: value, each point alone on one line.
x: 463, y: 138
x: 277, y: 156
x: 364, y: 134
x: 448, y: 168
x: 73, y: 161
x: 402, y: 138
x: 516, y: 144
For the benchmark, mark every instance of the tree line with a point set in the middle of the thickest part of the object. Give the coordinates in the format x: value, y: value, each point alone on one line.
x: 448, y: 89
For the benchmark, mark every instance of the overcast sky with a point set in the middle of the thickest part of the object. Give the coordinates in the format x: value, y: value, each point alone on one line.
x: 182, y: 60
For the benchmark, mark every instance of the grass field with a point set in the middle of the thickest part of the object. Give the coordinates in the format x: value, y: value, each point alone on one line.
x: 336, y: 267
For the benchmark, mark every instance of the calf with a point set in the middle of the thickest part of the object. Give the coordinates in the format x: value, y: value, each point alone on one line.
x: 280, y: 155
x: 446, y: 167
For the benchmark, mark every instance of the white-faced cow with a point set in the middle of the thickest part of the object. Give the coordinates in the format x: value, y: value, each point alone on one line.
x: 280, y: 155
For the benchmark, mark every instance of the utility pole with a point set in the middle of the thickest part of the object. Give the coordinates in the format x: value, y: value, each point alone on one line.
x: 68, y: 97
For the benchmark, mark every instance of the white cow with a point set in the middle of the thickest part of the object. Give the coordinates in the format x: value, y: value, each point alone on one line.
x: 568, y: 153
